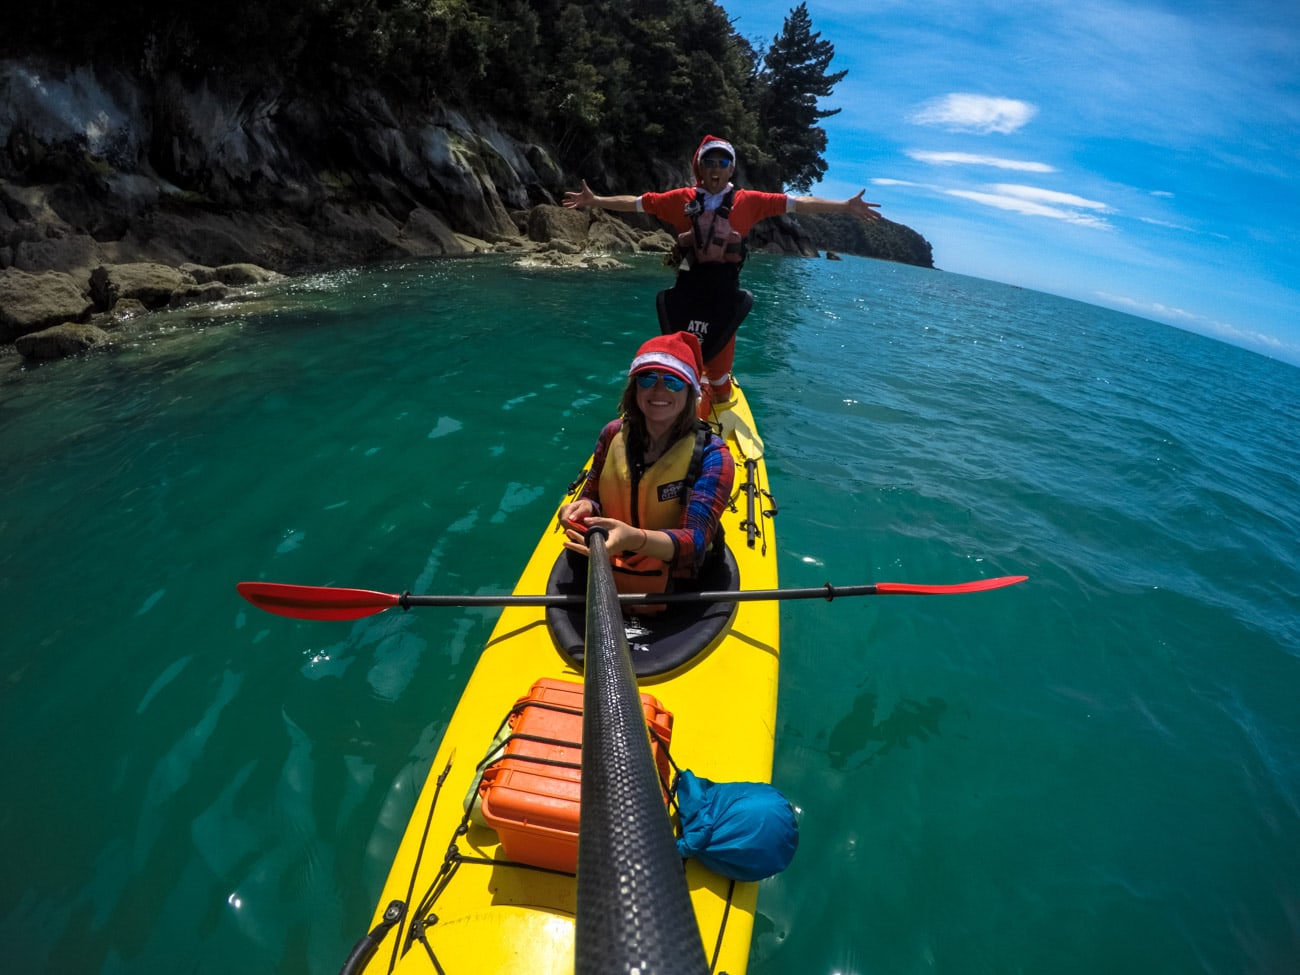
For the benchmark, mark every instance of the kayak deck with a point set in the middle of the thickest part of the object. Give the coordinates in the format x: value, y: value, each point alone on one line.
x: 472, y: 909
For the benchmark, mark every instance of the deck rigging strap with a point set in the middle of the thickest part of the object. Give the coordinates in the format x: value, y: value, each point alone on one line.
x: 750, y: 524
x: 750, y: 447
x: 634, y: 909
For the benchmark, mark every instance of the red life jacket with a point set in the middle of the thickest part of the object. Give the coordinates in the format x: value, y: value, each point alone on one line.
x: 711, y: 239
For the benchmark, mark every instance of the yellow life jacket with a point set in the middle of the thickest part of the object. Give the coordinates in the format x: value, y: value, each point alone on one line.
x: 653, y: 498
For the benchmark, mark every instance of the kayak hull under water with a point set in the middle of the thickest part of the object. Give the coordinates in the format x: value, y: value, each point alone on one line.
x: 477, y: 911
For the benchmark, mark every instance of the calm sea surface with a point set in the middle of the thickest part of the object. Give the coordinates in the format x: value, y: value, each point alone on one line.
x: 1096, y: 771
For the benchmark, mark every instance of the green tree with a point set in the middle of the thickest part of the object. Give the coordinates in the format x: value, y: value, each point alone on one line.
x: 793, y: 78
x: 620, y: 88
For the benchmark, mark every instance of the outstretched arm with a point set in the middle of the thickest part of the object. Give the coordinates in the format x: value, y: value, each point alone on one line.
x: 857, y: 206
x: 586, y: 198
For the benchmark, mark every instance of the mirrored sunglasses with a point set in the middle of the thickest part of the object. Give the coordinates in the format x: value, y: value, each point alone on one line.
x: 647, y: 380
x: 715, y: 162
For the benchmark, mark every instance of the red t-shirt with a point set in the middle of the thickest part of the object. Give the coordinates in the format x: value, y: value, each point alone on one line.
x: 748, y: 208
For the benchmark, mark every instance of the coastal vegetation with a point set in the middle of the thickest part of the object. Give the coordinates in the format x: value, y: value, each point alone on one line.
x: 612, y: 85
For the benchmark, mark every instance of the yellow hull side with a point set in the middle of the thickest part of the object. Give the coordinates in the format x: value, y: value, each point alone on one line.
x: 505, y: 919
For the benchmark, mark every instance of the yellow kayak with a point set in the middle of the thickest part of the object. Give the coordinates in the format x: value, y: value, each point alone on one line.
x: 483, y: 879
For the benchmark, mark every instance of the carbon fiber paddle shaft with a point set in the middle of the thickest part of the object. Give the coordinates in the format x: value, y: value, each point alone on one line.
x: 634, y: 912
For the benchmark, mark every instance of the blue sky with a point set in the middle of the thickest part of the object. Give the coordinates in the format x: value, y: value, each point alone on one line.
x: 1142, y: 156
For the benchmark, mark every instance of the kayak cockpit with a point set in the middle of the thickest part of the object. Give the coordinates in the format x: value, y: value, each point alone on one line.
x: 659, y: 643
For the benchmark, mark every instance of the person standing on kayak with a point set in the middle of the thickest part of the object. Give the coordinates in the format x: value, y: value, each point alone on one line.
x: 659, y: 478
x: 712, y: 219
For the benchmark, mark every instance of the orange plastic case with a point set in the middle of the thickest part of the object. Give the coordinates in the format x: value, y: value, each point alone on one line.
x: 533, y: 805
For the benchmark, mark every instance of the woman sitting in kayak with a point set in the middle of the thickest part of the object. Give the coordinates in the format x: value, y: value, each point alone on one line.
x: 659, y: 478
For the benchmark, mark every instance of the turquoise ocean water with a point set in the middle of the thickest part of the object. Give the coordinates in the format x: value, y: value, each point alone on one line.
x: 1096, y: 771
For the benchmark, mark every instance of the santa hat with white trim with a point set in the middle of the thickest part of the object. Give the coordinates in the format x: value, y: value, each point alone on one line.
x: 677, y: 353
x: 711, y: 142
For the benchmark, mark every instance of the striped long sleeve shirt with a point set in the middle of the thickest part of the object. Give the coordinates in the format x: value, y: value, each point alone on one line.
x: 709, y: 496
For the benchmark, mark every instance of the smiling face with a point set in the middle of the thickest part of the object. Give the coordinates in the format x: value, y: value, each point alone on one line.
x: 660, y: 405
x: 713, y: 174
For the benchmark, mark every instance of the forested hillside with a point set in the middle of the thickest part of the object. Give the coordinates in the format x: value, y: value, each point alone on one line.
x: 613, y: 86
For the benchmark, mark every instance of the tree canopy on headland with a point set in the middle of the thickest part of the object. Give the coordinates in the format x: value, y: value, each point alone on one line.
x: 613, y: 85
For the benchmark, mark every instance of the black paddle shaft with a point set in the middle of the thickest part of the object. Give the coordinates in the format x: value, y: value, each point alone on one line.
x: 634, y: 909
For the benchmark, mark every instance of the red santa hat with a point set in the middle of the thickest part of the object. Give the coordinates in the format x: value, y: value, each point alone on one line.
x: 710, y: 142
x: 677, y: 353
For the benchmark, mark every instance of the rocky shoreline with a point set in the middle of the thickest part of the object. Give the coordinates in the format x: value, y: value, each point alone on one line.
x: 58, y: 314
x: 53, y: 314
x: 121, y: 194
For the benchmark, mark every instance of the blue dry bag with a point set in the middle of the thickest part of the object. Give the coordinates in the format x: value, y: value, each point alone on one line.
x: 744, y: 830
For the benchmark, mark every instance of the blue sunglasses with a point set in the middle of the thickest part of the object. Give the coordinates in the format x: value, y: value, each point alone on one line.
x: 647, y: 380
x: 713, y: 162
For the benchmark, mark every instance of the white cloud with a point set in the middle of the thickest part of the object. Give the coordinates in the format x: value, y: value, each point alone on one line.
x: 963, y: 112
x: 971, y: 159
x: 1228, y: 332
x: 1032, y: 208
x: 1030, y: 201
x: 1164, y: 223
x: 1151, y: 309
x: 1051, y: 197
x: 1184, y: 229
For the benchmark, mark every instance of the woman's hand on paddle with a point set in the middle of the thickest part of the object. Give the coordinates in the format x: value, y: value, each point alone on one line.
x: 622, y: 537
x: 575, y: 511
x: 573, y: 519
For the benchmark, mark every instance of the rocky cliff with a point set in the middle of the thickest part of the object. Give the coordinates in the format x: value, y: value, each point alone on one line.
x: 99, y: 168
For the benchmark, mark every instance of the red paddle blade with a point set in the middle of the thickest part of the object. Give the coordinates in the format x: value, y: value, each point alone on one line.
x: 316, y: 602
x: 978, y: 585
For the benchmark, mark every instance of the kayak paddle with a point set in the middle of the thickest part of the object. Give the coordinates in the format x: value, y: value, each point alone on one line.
x: 331, y: 603
x: 634, y: 909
